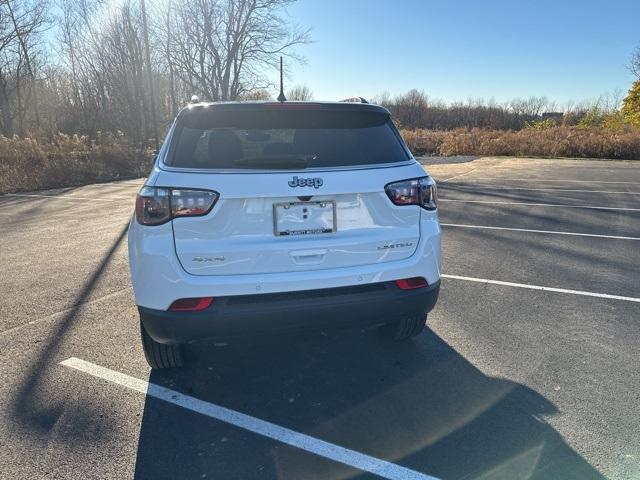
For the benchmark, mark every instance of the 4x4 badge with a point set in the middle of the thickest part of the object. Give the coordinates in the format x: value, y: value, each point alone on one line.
x: 305, y: 182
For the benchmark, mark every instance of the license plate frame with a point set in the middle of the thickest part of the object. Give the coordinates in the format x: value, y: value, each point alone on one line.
x: 324, y: 205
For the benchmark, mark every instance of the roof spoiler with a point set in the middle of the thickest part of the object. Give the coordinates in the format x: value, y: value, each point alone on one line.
x: 355, y: 100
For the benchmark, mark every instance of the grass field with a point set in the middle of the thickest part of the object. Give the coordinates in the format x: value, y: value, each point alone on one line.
x: 574, y: 142
x: 28, y: 164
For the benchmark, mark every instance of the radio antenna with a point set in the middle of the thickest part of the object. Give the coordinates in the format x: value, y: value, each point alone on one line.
x: 281, y: 97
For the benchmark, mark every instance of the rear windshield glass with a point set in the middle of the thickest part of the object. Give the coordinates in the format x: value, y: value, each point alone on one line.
x: 281, y: 138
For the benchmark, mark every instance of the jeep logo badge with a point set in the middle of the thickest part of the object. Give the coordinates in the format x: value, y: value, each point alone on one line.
x: 305, y: 182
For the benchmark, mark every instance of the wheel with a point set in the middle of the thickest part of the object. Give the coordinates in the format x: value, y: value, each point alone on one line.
x: 404, y: 329
x: 159, y: 355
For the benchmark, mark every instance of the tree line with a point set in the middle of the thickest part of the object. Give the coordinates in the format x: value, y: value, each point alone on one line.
x: 414, y: 109
x: 81, y: 66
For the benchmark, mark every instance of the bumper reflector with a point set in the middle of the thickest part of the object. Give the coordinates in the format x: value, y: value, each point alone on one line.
x: 411, y: 283
x: 191, y: 304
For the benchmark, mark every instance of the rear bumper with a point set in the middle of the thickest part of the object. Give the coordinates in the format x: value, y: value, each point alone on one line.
x: 158, y: 278
x: 240, y: 315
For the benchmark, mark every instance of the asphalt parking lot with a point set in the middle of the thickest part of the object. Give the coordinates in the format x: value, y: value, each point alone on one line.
x: 529, y: 368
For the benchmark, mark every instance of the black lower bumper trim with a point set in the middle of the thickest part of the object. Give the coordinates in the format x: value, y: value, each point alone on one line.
x: 370, y: 304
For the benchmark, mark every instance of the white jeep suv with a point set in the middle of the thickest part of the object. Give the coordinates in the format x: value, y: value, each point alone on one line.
x: 264, y: 217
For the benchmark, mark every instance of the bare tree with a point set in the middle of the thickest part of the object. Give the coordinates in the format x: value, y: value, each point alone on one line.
x: 300, y: 92
x: 261, y: 94
x: 222, y: 48
x: 410, y: 108
x: 167, y: 41
x: 382, y: 98
x: 7, y: 37
x: 21, y: 26
x: 218, y: 49
x: 27, y: 22
x: 123, y: 63
x: 77, y: 39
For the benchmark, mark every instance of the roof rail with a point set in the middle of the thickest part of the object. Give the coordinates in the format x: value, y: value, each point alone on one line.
x: 355, y: 100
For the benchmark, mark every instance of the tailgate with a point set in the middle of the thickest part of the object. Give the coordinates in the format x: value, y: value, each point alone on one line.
x: 285, y: 222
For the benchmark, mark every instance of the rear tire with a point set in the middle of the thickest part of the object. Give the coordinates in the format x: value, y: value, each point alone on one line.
x: 159, y: 355
x: 404, y: 329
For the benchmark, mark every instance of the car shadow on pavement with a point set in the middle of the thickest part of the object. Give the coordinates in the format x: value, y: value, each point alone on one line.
x: 34, y: 407
x: 420, y: 404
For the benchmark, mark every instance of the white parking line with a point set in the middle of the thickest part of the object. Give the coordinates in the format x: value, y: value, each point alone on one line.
x: 459, y: 175
x: 550, y: 232
x: 261, y: 427
x: 471, y: 187
x: 592, y: 207
x: 546, y: 289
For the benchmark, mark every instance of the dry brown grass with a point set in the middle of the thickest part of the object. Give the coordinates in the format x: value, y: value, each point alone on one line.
x: 552, y: 142
x: 28, y: 164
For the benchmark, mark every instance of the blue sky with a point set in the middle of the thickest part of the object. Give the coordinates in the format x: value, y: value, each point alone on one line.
x: 460, y: 49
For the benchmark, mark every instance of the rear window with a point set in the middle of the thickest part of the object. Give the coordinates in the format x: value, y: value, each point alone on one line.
x: 271, y: 138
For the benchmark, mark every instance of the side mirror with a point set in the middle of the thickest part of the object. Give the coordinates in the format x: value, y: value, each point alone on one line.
x: 154, y: 157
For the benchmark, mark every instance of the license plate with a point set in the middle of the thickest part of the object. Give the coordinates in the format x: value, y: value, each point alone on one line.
x: 304, y: 218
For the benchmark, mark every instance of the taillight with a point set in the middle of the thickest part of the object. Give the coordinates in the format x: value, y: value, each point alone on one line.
x: 414, y: 191
x: 153, y: 206
x: 191, y: 203
x: 158, y: 205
